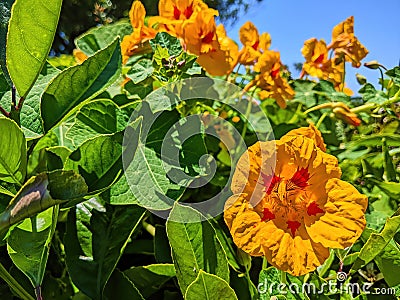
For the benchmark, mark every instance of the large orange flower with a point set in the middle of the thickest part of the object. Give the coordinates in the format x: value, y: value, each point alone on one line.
x: 346, y: 44
x: 290, y: 205
x: 271, y: 82
x: 135, y: 42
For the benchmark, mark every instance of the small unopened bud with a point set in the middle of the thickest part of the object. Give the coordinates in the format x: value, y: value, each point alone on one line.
x: 181, y: 64
x: 343, y: 112
x: 361, y: 79
x: 373, y: 64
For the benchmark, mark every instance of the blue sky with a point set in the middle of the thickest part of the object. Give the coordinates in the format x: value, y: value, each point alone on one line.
x: 291, y: 22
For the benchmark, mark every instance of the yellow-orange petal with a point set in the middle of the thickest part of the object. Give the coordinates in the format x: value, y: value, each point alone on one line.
x: 235, y: 205
x: 137, y: 13
x: 296, y: 256
x: 345, y: 27
x: 302, y: 152
x: 265, y: 41
x: 343, y: 221
x: 312, y: 132
x: 249, y: 233
x: 260, y: 157
x: 248, y: 35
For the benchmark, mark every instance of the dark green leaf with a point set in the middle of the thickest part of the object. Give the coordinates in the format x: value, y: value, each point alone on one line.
x: 140, y: 71
x: 395, y: 74
x: 12, y: 152
x: 100, y: 37
x: 98, y: 160
x: 94, y: 242
x: 95, y: 118
x: 28, y: 244
x: 375, y: 243
x: 208, y: 286
x: 370, y: 94
x: 5, y: 14
x: 30, y: 35
x: 120, y: 287
x: 41, y: 192
x: 79, y: 83
x: 149, y: 279
x: 194, y: 246
x: 172, y: 44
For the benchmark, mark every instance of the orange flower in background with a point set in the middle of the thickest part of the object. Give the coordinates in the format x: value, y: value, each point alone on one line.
x: 222, y: 60
x: 346, y: 45
x: 199, y: 34
x: 253, y: 43
x: 290, y: 205
x: 319, y: 65
x: 317, y: 61
x: 271, y: 82
x: 79, y: 56
x: 134, y: 43
x: 174, y: 13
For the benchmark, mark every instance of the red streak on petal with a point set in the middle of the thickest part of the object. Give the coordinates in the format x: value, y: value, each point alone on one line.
x: 267, y: 215
x: 255, y: 45
x: 300, y: 178
x: 313, y: 209
x: 274, y: 73
x: 177, y: 13
x: 208, y: 38
x: 320, y: 59
x: 293, y: 226
x: 270, y: 181
x: 188, y: 11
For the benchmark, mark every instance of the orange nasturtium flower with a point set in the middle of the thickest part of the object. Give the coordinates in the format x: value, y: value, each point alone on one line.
x: 135, y: 42
x: 200, y: 32
x: 319, y: 65
x: 222, y: 59
x: 173, y: 14
x: 346, y: 44
x: 271, y: 82
x: 290, y: 205
x: 253, y: 43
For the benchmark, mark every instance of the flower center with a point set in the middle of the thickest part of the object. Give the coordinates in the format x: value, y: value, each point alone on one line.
x: 287, y: 199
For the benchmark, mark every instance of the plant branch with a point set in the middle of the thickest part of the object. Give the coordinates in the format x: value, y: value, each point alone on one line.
x: 14, y: 285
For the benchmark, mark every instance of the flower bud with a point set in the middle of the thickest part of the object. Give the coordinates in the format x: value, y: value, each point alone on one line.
x: 373, y: 64
x: 343, y: 112
x: 361, y: 79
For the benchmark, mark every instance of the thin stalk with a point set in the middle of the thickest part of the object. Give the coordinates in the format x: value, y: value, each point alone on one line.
x: 14, y: 285
x: 321, y: 119
x: 382, y: 80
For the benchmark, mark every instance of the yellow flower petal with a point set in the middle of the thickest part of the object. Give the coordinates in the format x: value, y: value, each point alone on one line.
x: 343, y: 221
x: 248, y: 35
x: 311, y: 132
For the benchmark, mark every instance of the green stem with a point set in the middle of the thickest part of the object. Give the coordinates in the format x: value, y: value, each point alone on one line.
x: 264, y: 263
x: 382, y: 81
x: 294, y: 117
x: 283, y: 278
x: 16, y: 287
x: 321, y: 119
x: 344, y: 76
